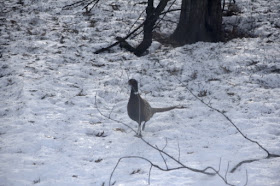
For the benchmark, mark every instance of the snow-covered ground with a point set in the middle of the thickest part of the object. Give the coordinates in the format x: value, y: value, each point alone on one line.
x: 51, y: 132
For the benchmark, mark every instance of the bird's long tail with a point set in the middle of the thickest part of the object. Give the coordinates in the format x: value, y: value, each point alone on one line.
x: 155, y: 110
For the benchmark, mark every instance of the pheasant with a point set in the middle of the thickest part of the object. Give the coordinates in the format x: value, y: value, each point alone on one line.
x: 136, y: 104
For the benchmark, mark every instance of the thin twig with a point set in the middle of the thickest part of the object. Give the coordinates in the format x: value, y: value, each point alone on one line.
x: 220, y: 165
x: 149, y: 180
x: 96, y: 106
x: 145, y: 159
x: 164, y: 14
x: 137, y: 34
x: 179, y: 150
x: 111, y: 111
x: 136, y: 20
x: 119, y: 40
x: 164, y: 160
x: 203, y: 171
x: 76, y: 4
x: 81, y: 3
x: 166, y: 142
x: 93, y: 1
x: 227, y: 171
x: 171, y: 10
x: 246, y: 178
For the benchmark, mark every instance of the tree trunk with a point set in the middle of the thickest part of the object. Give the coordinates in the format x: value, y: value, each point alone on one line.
x: 151, y: 18
x: 200, y: 20
x: 148, y: 29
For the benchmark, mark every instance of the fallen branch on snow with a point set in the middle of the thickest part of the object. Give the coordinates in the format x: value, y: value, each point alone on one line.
x: 87, y: 3
x: 269, y: 155
x: 148, y: 26
x: 162, y: 152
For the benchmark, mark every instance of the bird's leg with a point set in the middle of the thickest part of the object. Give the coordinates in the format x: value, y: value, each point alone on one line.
x: 143, y: 126
x: 139, y: 130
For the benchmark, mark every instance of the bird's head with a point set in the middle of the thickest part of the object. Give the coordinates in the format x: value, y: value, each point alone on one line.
x: 134, y: 85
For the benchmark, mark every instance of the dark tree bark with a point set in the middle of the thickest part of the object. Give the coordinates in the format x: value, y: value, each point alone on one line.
x: 200, y: 20
x: 148, y: 29
x: 151, y: 18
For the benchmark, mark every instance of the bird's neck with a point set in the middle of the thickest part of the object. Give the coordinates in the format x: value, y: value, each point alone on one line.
x: 134, y: 91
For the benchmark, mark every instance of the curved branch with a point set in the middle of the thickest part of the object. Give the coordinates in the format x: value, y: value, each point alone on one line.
x: 269, y: 155
x: 108, y: 117
x: 182, y: 166
x: 120, y: 40
x: 243, y: 162
x: 145, y: 159
x: 81, y: 3
x: 151, y: 18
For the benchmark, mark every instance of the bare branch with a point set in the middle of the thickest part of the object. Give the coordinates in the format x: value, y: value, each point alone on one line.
x: 171, y: 10
x: 164, y: 160
x: 145, y: 159
x: 220, y: 165
x: 151, y: 18
x: 269, y: 155
x: 166, y: 142
x: 164, y: 13
x: 149, y: 180
x: 136, y: 20
x: 96, y: 106
x: 246, y: 178
x: 179, y: 150
x: 120, y: 40
x: 203, y: 171
x: 87, y: 3
x: 243, y: 162
x: 94, y: 2
x: 111, y: 111
x: 227, y: 171
x: 76, y: 4
x: 181, y: 165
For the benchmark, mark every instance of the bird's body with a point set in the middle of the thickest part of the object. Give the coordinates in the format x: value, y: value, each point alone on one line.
x: 139, y: 109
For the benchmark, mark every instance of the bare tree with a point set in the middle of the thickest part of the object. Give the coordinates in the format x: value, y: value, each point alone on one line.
x: 200, y: 20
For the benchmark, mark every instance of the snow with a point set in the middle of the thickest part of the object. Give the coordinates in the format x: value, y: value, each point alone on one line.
x: 51, y: 132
